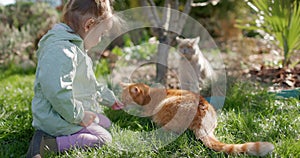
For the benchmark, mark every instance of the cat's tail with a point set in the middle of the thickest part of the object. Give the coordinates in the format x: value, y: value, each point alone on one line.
x: 251, y: 148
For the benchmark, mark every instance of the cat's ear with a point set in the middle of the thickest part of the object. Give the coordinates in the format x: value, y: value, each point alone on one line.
x: 178, y: 39
x: 196, y: 40
x: 134, y: 90
x: 124, y: 85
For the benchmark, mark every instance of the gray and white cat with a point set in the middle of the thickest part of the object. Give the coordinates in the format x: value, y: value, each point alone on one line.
x: 194, y: 68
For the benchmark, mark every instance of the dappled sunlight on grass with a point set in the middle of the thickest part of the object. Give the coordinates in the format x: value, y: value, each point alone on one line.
x: 250, y: 114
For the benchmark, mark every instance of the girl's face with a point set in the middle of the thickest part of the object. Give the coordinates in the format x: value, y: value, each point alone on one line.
x: 94, y: 28
x: 94, y: 32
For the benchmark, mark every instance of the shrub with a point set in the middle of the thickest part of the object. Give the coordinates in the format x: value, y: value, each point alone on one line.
x: 23, y: 24
x: 279, y: 20
x: 13, y: 44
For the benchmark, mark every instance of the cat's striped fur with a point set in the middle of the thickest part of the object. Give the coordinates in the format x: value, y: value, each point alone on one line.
x: 194, y: 68
x: 173, y: 109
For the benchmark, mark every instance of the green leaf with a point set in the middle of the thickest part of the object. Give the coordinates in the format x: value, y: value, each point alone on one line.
x: 280, y: 19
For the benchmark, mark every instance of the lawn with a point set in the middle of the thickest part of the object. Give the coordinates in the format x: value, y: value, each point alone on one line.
x: 250, y: 113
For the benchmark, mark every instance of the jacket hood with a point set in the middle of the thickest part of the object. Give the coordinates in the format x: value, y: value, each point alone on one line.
x: 61, y: 32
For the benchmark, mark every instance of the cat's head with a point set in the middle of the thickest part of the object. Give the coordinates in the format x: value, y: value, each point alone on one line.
x: 187, y: 47
x: 135, y: 93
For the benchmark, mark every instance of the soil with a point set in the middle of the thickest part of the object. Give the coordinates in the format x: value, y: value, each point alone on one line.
x: 246, y: 59
x: 260, y: 62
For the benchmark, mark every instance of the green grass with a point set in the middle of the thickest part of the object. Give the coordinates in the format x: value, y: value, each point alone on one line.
x: 250, y: 114
x: 16, y: 92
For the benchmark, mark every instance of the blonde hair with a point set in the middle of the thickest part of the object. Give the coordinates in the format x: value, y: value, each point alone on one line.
x: 76, y: 11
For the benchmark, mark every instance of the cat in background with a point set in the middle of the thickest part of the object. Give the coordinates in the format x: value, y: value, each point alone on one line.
x: 176, y: 110
x: 194, y: 68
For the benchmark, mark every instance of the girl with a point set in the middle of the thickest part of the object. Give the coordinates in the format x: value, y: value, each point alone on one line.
x: 65, y: 87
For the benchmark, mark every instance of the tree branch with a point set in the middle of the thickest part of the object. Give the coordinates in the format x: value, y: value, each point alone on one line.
x: 154, y: 12
x: 175, y: 19
x: 187, y: 7
x: 167, y: 15
x: 202, y: 4
x: 152, y: 16
x: 176, y: 5
x: 182, y: 19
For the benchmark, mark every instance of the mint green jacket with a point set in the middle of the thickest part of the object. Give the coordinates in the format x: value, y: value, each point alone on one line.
x: 65, y: 83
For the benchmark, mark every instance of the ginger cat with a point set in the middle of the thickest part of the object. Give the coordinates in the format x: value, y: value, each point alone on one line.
x: 171, y: 109
x: 194, y: 67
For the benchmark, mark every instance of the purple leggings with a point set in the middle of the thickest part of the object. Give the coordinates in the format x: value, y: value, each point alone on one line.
x: 91, y: 136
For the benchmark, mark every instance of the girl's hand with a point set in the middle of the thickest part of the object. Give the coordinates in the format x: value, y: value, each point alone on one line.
x: 88, y: 118
x: 117, y: 105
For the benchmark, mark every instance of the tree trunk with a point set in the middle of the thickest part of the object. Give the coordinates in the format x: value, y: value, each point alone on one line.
x: 162, y: 61
x: 168, y: 31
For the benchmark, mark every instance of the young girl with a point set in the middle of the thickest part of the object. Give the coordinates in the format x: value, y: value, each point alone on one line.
x: 65, y: 87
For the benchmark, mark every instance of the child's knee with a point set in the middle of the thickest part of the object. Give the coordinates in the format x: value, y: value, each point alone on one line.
x: 106, y: 139
x: 105, y: 124
x: 104, y: 121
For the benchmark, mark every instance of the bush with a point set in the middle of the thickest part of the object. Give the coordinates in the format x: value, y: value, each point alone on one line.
x: 13, y: 44
x: 278, y: 21
x: 23, y: 24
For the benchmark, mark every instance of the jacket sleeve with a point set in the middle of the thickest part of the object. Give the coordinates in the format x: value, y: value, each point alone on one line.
x: 105, y: 95
x: 56, y: 76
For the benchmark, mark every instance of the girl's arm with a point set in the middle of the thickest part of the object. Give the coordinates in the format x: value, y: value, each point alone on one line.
x: 105, y: 95
x: 108, y: 98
